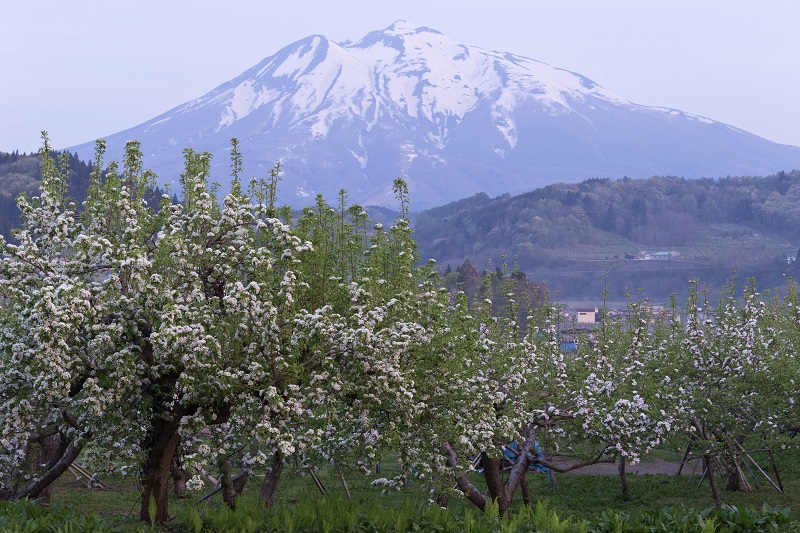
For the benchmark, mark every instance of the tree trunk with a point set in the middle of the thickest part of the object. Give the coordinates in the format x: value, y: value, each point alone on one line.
x: 179, y: 478
x: 708, y: 464
x: 464, y: 484
x: 494, y: 482
x: 526, y: 490
x: 228, y: 492
x: 270, y: 485
x: 520, y: 469
x: 443, y: 499
x: 623, y: 478
x: 733, y: 481
x: 51, y: 450
x: 161, y: 442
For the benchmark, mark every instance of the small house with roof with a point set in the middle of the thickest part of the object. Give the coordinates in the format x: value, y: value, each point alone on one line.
x: 586, y: 315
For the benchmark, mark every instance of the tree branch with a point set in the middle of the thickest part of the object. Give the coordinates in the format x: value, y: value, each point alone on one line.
x: 37, y: 485
x: 466, y: 486
x: 561, y: 470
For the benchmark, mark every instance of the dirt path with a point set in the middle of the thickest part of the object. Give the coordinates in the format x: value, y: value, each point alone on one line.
x: 652, y: 466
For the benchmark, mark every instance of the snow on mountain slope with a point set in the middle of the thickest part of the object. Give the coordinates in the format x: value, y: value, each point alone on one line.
x: 451, y: 119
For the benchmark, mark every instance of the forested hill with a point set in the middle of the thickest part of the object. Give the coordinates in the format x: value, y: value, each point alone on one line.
x: 19, y: 173
x: 566, y: 234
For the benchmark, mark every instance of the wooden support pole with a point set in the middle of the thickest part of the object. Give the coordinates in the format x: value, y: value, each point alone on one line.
x: 683, y: 459
x: 218, y: 487
x: 317, y: 482
x: 742, y: 477
x: 78, y: 471
x: 759, y: 467
x: 211, y: 478
x: 775, y: 469
x: 344, y: 484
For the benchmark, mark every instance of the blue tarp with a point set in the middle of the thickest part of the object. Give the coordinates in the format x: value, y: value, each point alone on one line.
x: 511, y: 452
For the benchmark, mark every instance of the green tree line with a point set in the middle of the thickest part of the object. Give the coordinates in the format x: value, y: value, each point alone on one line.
x: 658, y: 212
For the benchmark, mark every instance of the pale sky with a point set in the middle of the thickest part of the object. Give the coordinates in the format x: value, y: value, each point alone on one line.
x: 84, y: 69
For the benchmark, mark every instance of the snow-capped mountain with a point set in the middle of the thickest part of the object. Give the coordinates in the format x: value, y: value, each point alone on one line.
x: 451, y: 119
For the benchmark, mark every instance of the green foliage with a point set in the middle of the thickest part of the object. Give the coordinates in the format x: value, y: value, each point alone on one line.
x: 29, y: 517
x: 728, y: 519
x: 509, y: 290
x: 236, y: 332
x: 21, y: 174
x: 331, y: 514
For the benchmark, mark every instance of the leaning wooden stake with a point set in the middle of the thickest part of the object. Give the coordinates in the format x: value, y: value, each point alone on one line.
x: 683, y: 459
x: 317, y: 482
x: 344, y: 484
x: 775, y: 469
x: 759, y: 468
x: 742, y: 477
x: 218, y: 488
x: 79, y: 471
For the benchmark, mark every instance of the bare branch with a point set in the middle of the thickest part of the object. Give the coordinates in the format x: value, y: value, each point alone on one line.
x: 464, y: 484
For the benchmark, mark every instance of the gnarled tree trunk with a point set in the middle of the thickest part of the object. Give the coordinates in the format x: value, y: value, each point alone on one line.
x: 494, y: 482
x: 270, y: 485
x: 179, y: 477
x: 160, y: 443
x: 232, y: 486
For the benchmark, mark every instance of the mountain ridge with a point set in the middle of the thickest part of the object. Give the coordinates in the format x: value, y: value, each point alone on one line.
x: 451, y: 119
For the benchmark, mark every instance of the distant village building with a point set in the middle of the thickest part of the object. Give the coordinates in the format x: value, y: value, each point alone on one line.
x: 586, y: 315
x: 657, y: 256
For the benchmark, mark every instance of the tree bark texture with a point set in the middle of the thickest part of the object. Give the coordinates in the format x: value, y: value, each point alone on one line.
x: 733, y: 482
x: 443, y: 499
x: 228, y: 492
x: 623, y: 478
x: 494, y: 482
x: 464, y: 484
x: 526, y: 490
x: 270, y: 485
x: 161, y: 442
x: 179, y: 478
x: 708, y: 462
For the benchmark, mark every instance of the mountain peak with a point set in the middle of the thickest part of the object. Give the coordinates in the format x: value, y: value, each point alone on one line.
x: 452, y: 119
x: 400, y: 34
x: 403, y: 27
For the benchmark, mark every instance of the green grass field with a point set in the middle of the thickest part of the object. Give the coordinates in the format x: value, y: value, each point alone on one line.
x: 583, y: 496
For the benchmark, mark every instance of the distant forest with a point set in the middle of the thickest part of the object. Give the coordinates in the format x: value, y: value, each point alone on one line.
x: 19, y: 174
x: 711, y: 228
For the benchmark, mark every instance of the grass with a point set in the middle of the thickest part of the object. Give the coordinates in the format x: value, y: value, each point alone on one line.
x: 583, y: 496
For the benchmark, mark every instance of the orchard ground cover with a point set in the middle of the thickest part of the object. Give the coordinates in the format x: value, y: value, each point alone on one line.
x: 585, y: 496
